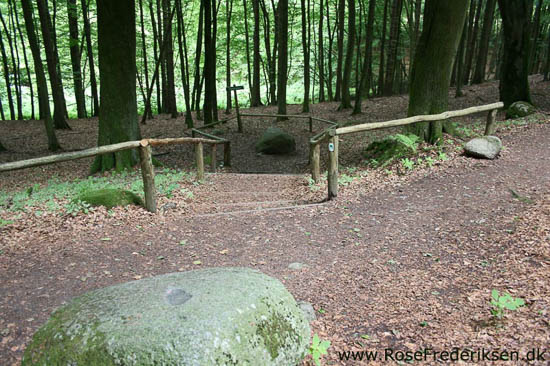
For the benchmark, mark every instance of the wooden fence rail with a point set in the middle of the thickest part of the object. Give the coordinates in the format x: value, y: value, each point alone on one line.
x: 146, y: 159
x: 332, y: 133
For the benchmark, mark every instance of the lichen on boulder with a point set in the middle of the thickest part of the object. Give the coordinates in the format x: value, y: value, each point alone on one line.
x: 520, y: 109
x: 485, y: 147
x: 110, y: 197
x: 218, y: 316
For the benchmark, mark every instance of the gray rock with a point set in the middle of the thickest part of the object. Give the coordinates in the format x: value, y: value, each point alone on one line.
x: 296, y: 266
x: 520, y: 109
x: 275, y: 141
x: 219, y: 316
x: 486, y: 147
x: 308, y: 310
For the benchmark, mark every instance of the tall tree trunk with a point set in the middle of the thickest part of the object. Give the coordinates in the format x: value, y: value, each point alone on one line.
x: 75, y: 59
x: 228, y: 13
x: 472, y: 41
x: 460, y: 62
x: 117, y: 72
x: 27, y: 65
x: 346, y: 76
x: 514, y: 82
x: 535, y: 32
x: 329, y: 60
x: 247, y: 39
x: 208, y: 63
x: 321, y: 54
x: 57, y: 91
x: 306, y: 42
x: 481, y: 64
x: 171, y: 104
x: 90, y: 53
x: 364, y: 84
x: 340, y: 41
x: 148, y: 112
x: 395, y: 26
x: 156, y: 51
x: 282, y: 64
x: 12, y: 42
x: 382, y: 63
x: 255, y: 92
x: 198, y: 52
x: 547, y: 65
x: 213, y: 72
x: 53, y: 144
x: 184, y: 63
x: 431, y: 73
x: 7, y: 77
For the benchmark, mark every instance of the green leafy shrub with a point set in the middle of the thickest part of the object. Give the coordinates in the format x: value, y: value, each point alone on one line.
x: 318, y: 348
x: 382, y: 153
x: 504, y: 302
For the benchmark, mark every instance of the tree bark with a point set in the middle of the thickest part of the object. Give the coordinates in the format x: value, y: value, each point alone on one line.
x: 340, y: 45
x: 346, y: 76
x: 364, y: 84
x: 395, y: 26
x: 57, y: 91
x: 184, y: 63
x: 460, y: 62
x: 117, y: 70
x: 195, y: 98
x: 27, y: 65
x: 148, y: 113
x: 7, y: 77
x: 53, y: 144
x: 246, y: 36
x: 12, y: 42
x: 90, y: 53
x: 430, y: 78
x: 481, y: 63
x: 75, y: 59
x: 306, y: 42
x: 208, y: 64
x: 321, y: 54
x: 171, y: 104
x: 228, y: 13
x: 255, y: 92
x: 547, y: 65
x: 282, y: 64
x: 382, y: 63
x: 514, y: 82
x: 472, y: 41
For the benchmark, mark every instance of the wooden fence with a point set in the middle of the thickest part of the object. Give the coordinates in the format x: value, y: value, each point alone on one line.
x: 146, y: 159
x: 331, y: 136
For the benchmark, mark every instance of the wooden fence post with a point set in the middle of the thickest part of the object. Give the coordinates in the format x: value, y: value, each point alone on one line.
x: 227, y: 153
x: 332, y: 165
x: 200, y: 161
x: 213, y: 161
x: 148, y: 175
x: 239, y: 122
x: 491, y: 118
x: 310, y: 124
x: 316, y: 162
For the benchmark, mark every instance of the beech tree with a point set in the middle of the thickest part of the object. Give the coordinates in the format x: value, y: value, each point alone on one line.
x: 433, y: 61
x: 282, y: 64
x: 53, y: 144
x: 514, y: 82
x: 117, y: 74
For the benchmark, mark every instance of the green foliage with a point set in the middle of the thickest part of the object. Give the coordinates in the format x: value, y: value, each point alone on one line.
x: 442, y: 156
x: 407, y: 163
x: 382, y: 153
x: 345, y: 179
x: 318, y: 348
x: 429, y: 161
x: 504, y: 302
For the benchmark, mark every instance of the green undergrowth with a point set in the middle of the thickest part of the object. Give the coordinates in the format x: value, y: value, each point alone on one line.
x: 62, y: 196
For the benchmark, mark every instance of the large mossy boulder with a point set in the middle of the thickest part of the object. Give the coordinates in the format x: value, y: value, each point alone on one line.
x: 485, y: 147
x: 392, y: 148
x: 276, y: 142
x: 110, y: 197
x: 520, y: 109
x: 218, y: 316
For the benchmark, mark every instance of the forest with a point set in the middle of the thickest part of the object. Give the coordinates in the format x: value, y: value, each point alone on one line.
x: 188, y: 52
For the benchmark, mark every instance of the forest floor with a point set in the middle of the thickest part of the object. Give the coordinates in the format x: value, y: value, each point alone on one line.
x: 403, y: 259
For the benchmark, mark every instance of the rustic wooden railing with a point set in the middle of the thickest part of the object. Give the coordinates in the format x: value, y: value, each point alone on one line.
x: 146, y: 159
x: 331, y: 136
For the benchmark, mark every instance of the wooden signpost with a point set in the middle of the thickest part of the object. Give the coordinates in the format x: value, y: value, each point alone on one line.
x: 234, y: 89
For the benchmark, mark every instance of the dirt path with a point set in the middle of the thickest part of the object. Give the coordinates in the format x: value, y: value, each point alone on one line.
x: 406, y: 268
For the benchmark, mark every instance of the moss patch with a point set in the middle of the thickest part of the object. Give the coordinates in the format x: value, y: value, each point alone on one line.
x: 110, y: 198
x: 392, y: 148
